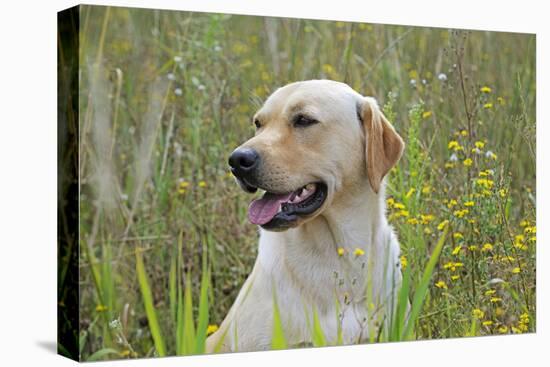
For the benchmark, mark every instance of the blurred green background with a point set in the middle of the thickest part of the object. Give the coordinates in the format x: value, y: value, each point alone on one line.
x: 165, y: 96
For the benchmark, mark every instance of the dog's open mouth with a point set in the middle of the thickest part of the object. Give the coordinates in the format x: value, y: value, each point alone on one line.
x: 273, y: 211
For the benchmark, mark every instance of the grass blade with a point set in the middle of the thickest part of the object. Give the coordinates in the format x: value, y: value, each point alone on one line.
x: 278, y: 340
x: 102, y: 353
x: 319, y: 339
x: 422, y: 289
x: 148, y: 304
x: 202, y: 323
x: 399, y: 318
x: 188, y: 322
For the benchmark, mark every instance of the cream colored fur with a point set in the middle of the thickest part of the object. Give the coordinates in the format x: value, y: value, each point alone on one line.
x: 301, y: 266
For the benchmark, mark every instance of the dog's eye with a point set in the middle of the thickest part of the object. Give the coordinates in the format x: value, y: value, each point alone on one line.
x: 304, y: 121
x: 257, y: 124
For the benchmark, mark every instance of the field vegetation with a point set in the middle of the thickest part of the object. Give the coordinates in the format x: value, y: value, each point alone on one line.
x: 165, y: 244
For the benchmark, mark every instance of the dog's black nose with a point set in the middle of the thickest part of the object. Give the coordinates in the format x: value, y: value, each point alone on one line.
x: 244, y: 160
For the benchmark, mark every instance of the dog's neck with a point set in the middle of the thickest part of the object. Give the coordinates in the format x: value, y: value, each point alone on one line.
x: 310, y: 251
x: 356, y: 219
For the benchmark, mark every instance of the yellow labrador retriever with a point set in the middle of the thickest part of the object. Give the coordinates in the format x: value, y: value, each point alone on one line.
x: 320, y: 153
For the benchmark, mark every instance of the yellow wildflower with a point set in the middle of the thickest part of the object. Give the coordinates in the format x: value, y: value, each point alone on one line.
x: 485, y: 182
x: 410, y: 192
x: 487, y: 323
x: 452, y: 203
x: 341, y: 251
x: 472, y: 248
x: 441, y: 284
x: 442, y: 225
x: 507, y: 258
x: 426, y: 219
x: 426, y: 114
x: 452, y: 265
x: 182, y: 187
x: 412, y: 221
x: 469, y: 203
x: 519, y: 242
x: 211, y: 329
x: 490, y: 292
x: 404, y: 213
x: 495, y: 299
x: 453, y: 144
x: 487, y: 247
x: 398, y: 206
x: 404, y: 262
x: 516, y: 330
x: 202, y: 184
x: 458, y: 236
x: 449, y: 165
x: 516, y: 270
x: 426, y: 190
x: 477, y: 313
x: 101, y: 308
x: 479, y: 144
x: 520, y: 246
x: 523, y: 327
x: 485, y: 89
x: 390, y: 201
x: 488, y: 105
x: 461, y: 213
x: 358, y: 252
x: 456, y: 250
x: 524, y: 318
x: 455, y: 277
x: 468, y: 162
x: 529, y: 230
x: 503, y: 329
x: 464, y: 132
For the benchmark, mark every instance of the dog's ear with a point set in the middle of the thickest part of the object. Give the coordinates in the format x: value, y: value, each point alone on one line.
x: 383, y: 145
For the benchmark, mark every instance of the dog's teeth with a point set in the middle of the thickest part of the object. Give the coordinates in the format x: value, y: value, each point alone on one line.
x: 310, y: 187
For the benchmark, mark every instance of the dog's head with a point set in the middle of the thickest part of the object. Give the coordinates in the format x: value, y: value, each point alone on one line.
x: 314, y: 140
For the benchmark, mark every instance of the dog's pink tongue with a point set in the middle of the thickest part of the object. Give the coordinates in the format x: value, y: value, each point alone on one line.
x: 264, y: 209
